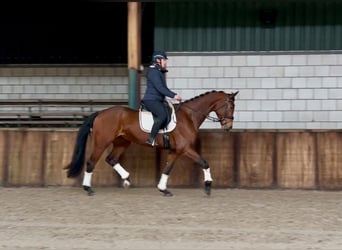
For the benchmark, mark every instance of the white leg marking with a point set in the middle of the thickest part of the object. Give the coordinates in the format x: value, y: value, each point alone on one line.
x: 121, y: 171
x: 207, y: 175
x: 126, y: 184
x: 87, y: 179
x: 163, y: 181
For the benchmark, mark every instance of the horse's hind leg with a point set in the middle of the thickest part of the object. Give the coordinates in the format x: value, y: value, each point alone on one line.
x: 162, y: 185
x: 119, y: 147
x: 95, y: 156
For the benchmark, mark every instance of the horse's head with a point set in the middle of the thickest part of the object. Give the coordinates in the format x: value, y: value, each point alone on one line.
x: 224, y: 110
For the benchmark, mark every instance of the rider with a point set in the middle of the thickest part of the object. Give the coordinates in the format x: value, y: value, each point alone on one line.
x: 156, y: 91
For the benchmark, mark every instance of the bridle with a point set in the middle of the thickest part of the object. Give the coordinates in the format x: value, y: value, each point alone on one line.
x: 217, y: 119
x: 225, y: 115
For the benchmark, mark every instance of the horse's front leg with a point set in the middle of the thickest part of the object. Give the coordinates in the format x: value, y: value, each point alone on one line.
x: 162, y: 185
x: 206, y: 170
x: 207, y: 176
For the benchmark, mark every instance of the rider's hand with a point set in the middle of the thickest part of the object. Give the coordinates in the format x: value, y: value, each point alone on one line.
x: 177, y: 97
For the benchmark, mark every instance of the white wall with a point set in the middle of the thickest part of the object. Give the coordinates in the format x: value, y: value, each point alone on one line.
x: 277, y: 91
x: 63, y: 83
x: 284, y: 91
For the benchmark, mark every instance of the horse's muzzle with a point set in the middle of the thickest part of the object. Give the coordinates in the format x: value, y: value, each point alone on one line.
x: 227, y: 127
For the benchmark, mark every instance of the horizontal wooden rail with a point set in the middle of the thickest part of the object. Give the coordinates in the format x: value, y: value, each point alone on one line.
x: 51, y: 112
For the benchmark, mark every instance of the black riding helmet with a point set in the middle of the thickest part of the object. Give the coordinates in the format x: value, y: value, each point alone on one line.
x: 158, y: 55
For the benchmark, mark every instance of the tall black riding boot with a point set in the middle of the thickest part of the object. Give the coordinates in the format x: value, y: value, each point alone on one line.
x: 154, y: 131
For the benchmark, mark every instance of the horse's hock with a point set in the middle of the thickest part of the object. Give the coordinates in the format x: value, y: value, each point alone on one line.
x: 242, y: 159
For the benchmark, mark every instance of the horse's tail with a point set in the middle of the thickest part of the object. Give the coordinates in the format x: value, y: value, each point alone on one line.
x: 76, y: 165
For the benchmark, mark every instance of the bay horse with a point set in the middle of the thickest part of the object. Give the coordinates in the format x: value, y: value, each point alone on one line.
x: 119, y: 126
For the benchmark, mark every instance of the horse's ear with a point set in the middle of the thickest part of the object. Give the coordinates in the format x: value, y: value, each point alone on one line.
x: 234, y: 94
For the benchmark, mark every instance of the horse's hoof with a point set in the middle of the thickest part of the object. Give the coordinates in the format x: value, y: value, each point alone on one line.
x: 126, y: 184
x: 207, y: 187
x: 166, y: 192
x: 89, y: 190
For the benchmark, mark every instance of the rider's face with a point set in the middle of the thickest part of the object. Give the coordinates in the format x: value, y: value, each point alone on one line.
x: 162, y: 63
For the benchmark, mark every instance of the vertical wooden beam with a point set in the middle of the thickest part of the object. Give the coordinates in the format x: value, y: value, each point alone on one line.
x: 4, y: 155
x: 134, y: 35
x: 134, y: 51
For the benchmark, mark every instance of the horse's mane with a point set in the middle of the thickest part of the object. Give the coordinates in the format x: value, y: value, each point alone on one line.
x: 199, y: 96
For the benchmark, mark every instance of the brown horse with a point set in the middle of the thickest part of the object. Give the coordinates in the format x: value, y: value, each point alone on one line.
x: 119, y: 126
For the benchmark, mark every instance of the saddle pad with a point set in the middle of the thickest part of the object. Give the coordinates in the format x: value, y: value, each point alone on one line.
x: 146, y: 121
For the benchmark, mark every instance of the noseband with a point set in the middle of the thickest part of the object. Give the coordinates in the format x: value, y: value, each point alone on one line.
x: 225, y: 116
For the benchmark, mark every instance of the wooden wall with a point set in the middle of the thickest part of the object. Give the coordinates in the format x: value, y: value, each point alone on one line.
x: 238, y: 159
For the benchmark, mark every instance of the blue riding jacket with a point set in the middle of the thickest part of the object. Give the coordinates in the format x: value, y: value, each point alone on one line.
x: 156, y: 89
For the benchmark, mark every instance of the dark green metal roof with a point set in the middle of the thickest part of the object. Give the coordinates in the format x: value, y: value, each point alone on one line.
x: 247, y: 25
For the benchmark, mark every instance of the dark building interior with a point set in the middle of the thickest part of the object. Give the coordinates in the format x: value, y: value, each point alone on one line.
x: 70, y: 32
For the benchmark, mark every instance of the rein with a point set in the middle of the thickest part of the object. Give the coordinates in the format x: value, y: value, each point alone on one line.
x: 212, y: 118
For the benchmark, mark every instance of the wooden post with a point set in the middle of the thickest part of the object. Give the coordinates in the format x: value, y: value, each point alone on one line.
x: 134, y: 51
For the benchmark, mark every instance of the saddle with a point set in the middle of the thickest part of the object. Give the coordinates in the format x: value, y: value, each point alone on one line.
x: 146, y: 118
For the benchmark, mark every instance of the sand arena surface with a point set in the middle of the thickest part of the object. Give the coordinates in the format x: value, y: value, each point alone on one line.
x: 140, y: 218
